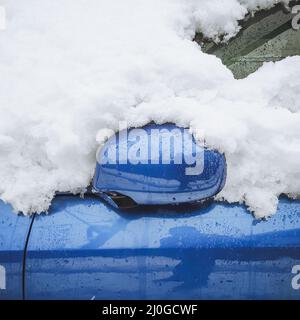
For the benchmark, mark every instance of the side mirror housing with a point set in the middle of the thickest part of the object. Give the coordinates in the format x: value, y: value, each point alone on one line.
x: 157, y: 165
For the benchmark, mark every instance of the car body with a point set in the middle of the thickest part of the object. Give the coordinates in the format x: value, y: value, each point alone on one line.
x: 85, y: 248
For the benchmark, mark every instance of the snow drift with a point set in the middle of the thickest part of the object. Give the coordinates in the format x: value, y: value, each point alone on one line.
x: 71, y: 68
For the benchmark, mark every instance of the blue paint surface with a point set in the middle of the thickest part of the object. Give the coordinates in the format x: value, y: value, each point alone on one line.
x: 13, y: 232
x: 86, y: 249
x: 158, y: 183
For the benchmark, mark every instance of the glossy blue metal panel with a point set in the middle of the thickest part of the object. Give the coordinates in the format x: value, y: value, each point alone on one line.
x: 13, y: 232
x: 85, y: 249
x: 158, y: 183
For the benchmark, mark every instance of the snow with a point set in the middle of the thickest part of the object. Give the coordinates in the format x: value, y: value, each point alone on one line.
x: 71, y: 70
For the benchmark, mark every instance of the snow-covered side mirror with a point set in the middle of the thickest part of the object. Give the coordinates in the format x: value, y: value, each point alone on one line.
x: 156, y: 165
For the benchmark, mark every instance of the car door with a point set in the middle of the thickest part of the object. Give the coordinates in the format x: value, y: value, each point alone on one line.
x: 13, y: 234
x: 85, y: 249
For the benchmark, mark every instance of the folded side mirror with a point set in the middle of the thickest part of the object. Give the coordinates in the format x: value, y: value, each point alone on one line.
x: 155, y: 165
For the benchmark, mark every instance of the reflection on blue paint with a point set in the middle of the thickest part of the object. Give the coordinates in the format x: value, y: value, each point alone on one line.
x: 13, y: 232
x: 159, y: 183
x: 85, y: 248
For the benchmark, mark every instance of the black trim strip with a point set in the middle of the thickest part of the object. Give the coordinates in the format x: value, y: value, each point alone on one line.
x: 24, y: 259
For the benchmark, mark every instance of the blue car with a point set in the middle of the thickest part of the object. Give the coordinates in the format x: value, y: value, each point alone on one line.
x: 150, y: 232
x: 86, y: 249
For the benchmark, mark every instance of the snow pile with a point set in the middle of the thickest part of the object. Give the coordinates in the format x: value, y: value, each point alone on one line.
x: 71, y: 68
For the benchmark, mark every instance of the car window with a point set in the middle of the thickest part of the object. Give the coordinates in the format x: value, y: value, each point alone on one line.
x: 269, y: 35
